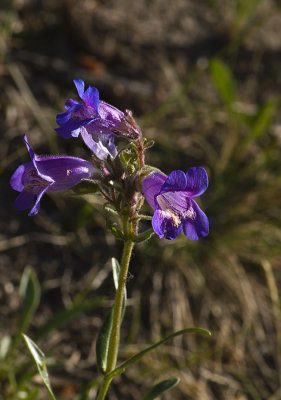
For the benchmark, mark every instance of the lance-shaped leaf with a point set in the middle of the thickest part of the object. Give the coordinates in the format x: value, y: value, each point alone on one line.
x: 30, y: 294
x: 119, y: 370
x: 103, y: 340
x: 40, y: 361
x: 115, y: 271
x: 160, y: 388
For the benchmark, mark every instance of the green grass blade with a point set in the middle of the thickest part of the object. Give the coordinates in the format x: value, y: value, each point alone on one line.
x: 40, y: 361
x: 119, y: 370
x: 263, y: 119
x: 222, y: 78
x: 160, y: 388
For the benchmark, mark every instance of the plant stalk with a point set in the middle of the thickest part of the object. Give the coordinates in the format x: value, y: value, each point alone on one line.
x: 117, y: 311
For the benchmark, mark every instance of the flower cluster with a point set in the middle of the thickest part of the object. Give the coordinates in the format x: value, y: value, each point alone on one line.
x: 118, y: 171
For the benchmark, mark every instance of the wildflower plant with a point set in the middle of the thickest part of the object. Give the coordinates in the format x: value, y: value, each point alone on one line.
x: 118, y: 173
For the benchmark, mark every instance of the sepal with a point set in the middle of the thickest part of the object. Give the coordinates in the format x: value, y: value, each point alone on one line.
x: 86, y: 186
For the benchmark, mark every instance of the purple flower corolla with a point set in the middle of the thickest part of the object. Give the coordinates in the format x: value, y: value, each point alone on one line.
x: 47, y: 174
x: 174, y: 207
x: 96, y: 120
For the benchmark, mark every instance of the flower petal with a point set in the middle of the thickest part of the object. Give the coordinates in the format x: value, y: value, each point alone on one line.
x: 151, y: 186
x: 80, y: 86
x: 30, y: 151
x: 110, y: 119
x: 108, y: 141
x: 91, y: 98
x: 197, y: 227
x: 64, y: 171
x: 70, y: 103
x: 34, y: 159
x: 176, y: 181
x: 24, y: 200
x: 109, y: 113
x: 36, y: 206
x: 172, y: 230
x: 16, y: 180
x: 162, y: 222
x: 101, y: 148
x: 159, y: 223
x: 196, y: 181
x: 72, y: 127
x: 63, y: 118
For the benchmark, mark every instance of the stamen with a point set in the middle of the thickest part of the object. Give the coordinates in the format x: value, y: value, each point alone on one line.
x: 167, y: 213
x: 190, y: 213
x: 168, y: 205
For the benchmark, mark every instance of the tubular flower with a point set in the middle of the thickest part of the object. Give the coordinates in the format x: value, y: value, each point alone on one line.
x: 174, y: 207
x: 47, y: 174
x: 96, y: 120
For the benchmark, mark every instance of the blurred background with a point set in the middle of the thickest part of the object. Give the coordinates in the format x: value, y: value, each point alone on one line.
x: 203, y: 80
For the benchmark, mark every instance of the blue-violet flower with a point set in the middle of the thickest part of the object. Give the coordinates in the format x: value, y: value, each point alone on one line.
x: 96, y: 120
x: 47, y: 174
x: 174, y: 207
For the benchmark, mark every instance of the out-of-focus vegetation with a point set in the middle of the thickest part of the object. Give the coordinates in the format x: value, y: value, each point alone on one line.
x: 204, y: 82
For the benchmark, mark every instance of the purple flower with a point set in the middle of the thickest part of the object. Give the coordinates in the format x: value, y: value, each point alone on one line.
x: 96, y: 120
x: 174, y: 207
x: 46, y: 174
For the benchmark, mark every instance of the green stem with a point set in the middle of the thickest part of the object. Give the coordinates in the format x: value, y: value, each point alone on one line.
x: 116, y: 324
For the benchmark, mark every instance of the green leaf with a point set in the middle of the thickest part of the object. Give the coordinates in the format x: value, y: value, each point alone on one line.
x: 103, y: 340
x: 30, y: 295
x: 160, y: 388
x: 119, y: 370
x: 4, y: 346
x: 115, y: 271
x: 113, y: 227
x: 40, y: 361
x: 222, y: 78
x: 257, y: 125
x: 63, y: 317
x: 263, y: 119
x: 144, y: 236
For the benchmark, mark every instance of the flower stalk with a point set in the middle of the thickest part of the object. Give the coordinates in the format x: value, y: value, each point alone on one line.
x: 117, y: 312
